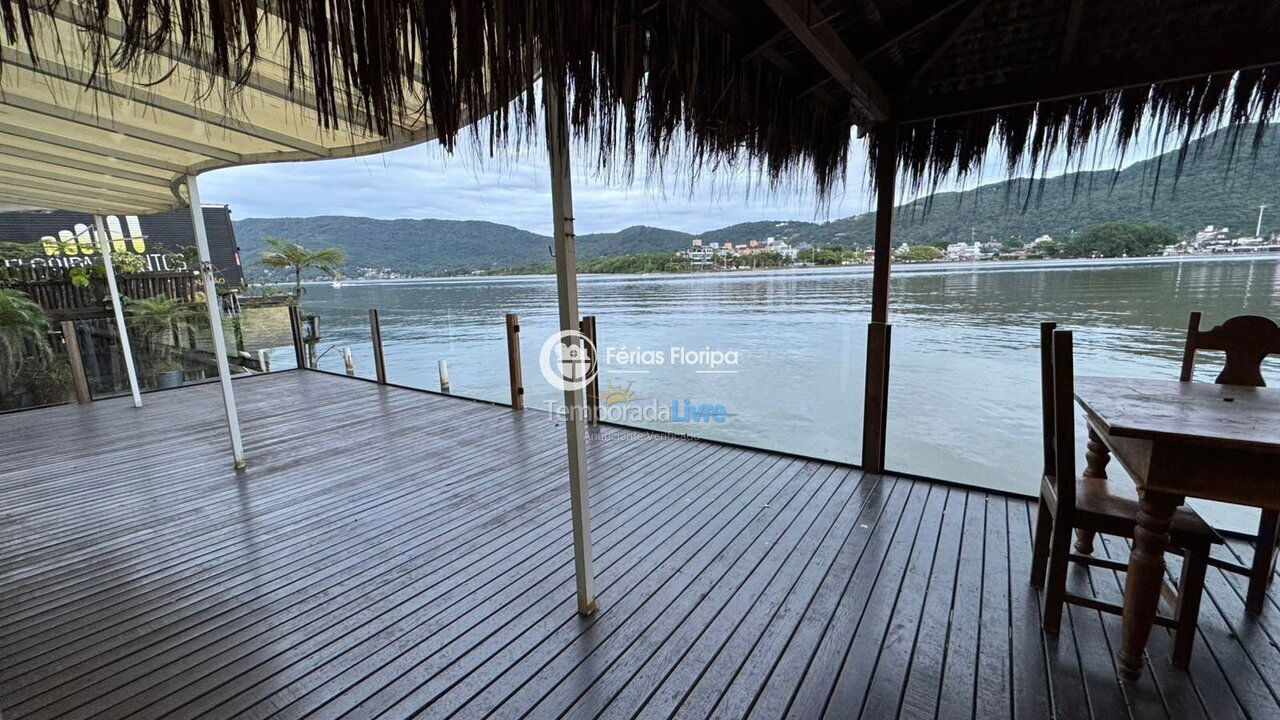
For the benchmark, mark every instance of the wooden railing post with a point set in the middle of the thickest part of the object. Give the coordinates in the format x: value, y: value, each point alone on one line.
x: 313, y: 342
x: 587, y: 326
x: 295, y: 326
x: 513, y: 361
x: 77, y: 362
x: 375, y: 334
x: 875, y: 411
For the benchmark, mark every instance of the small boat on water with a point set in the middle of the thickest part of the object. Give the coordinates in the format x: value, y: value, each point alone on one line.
x: 337, y: 283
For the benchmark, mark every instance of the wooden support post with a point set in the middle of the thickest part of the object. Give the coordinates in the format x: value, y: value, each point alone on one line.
x: 876, y: 390
x: 77, y: 362
x: 513, y: 361
x: 588, y: 328
x: 444, y: 375
x: 295, y: 326
x: 375, y: 334
x: 556, y: 105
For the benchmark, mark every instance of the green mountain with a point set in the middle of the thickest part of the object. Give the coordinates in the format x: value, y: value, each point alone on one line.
x: 439, y: 246
x: 1213, y: 188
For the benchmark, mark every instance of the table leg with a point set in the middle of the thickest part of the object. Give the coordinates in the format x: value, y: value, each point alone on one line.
x: 1096, y: 457
x: 1145, y: 577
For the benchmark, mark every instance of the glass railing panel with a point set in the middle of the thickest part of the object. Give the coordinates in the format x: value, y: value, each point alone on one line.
x: 964, y: 399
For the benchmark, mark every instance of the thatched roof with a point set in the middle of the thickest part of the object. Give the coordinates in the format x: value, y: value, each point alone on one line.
x: 780, y: 82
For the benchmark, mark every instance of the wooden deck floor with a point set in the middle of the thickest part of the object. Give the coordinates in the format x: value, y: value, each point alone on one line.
x: 396, y: 554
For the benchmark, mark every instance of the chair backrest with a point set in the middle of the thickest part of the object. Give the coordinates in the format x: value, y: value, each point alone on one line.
x: 1057, y: 394
x: 1247, y: 340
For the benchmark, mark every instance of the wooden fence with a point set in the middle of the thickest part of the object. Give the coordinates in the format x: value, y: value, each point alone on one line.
x: 54, y: 291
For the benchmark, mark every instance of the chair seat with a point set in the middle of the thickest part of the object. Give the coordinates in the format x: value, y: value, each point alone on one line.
x: 1110, y: 506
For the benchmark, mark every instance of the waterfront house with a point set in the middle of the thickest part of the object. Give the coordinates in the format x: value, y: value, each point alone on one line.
x: 362, y: 549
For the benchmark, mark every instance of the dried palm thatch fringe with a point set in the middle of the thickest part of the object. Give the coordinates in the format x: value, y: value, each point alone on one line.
x: 660, y: 75
x: 641, y: 73
x: 955, y: 146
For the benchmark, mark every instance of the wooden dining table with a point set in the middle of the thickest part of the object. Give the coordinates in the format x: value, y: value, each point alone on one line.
x: 1177, y: 440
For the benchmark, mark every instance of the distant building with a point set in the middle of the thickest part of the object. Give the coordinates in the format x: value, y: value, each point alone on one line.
x: 1042, y: 240
x: 1210, y: 234
x: 65, y: 240
x: 781, y: 247
x: 699, y: 258
x: 963, y: 252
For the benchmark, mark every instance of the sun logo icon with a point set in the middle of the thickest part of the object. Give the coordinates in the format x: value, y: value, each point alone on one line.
x: 614, y: 394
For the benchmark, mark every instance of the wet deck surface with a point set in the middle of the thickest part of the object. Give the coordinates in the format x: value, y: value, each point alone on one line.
x: 390, y: 553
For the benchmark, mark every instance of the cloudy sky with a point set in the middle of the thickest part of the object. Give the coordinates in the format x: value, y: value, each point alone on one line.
x: 425, y: 182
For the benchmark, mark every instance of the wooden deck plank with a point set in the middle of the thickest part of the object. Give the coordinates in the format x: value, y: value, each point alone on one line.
x: 398, y: 554
x: 884, y: 684
x: 1031, y: 691
x: 697, y: 680
x: 399, y: 664
x: 815, y: 684
x: 960, y: 668
x: 697, y: 557
x: 329, y: 668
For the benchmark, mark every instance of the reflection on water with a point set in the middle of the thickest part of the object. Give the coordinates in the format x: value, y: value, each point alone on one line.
x: 963, y: 399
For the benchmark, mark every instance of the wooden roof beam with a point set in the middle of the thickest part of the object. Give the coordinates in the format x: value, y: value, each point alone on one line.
x: 806, y: 22
x: 915, y: 25
x: 723, y: 15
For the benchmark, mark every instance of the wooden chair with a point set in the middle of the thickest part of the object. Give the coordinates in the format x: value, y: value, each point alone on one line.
x: 1246, y: 340
x: 1069, y: 502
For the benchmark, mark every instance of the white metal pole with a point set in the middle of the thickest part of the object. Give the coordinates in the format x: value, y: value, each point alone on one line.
x: 104, y: 243
x: 553, y: 95
x: 215, y: 321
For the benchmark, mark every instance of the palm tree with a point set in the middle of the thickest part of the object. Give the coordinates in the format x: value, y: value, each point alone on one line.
x: 285, y: 255
x: 24, y: 329
x: 24, y: 333
x: 159, y: 322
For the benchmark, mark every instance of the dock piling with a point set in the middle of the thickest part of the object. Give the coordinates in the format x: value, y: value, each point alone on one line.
x: 375, y: 334
x: 513, y: 361
x: 349, y: 362
x: 444, y: 376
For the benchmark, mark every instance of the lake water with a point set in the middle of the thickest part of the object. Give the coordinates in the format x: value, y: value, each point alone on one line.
x: 964, y: 396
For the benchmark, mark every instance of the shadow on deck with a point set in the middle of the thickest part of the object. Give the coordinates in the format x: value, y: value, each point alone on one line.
x: 394, y: 553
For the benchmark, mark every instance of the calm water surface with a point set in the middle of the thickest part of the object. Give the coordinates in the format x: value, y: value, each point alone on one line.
x: 964, y: 402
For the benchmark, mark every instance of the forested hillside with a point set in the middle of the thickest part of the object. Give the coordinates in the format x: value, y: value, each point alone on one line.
x: 436, y: 246
x: 1211, y: 189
